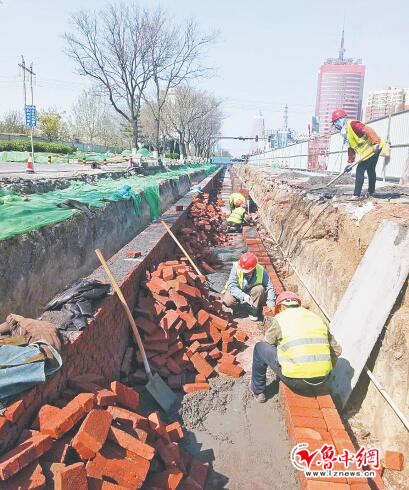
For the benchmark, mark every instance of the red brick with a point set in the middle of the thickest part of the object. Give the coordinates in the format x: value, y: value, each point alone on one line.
x: 168, y: 273
x: 202, y: 366
x: 188, y: 290
x: 14, y: 411
x: 198, y: 471
x: 233, y: 370
x: 126, y: 441
x: 358, y: 485
x: 202, y: 317
x: 325, y: 401
x: 189, y: 388
x: 127, y: 397
x: 97, y: 484
x: 218, y: 322
x: 199, y: 336
x: 393, y: 460
x: 29, y: 478
x: 215, y: 353
x: 293, y: 399
x: 200, y: 378
x: 188, y: 318
x: 240, y: 336
x: 92, y: 434
x: 106, y: 397
x: 193, y: 349
x: 175, y: 431
x: 133, y: 254
x: 146, y: 325
x: 128, y: 418
x: 23, y: 454
x: 165, y: 454
x: 225, y: 347
x: 169, y: 479
x: 128, y: 473
x: 325, y: 485
x: 70, y: 477
x: 180, y: 301
x: 332, y: 418
x: 301, y: 433
x: 309, y: 412
x: 157, y: 285
x: 58, y: 450
x: 169, y: 320
x: 309, y: 422
x: 156, y: 424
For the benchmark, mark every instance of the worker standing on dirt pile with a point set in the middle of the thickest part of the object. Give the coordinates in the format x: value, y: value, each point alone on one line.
x: 362, y: 140
x: 298, y: 347
x: 237, y: 217
x: 249, y: 283
x: 236, y: 196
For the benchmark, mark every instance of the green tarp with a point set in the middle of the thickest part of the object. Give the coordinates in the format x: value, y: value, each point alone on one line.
x: 18, y: 216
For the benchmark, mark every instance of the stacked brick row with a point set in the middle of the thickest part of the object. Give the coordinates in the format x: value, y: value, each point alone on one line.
x: 185, y: 332
x: 98, y: 440
x: 313, y: 419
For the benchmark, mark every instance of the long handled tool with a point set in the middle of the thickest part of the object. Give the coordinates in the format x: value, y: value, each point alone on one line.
x: 209, y: 284
x: 156, y: 386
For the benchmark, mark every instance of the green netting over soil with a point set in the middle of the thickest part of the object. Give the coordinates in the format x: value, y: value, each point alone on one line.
x: 18, y: 216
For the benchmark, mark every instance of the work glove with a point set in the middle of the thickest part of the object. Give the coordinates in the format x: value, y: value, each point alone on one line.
x: 347, y: 169
x: 247, y: 299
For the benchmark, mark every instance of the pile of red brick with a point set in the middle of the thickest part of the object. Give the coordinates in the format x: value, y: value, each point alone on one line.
x: 97, y: 440
x: 185, y: 332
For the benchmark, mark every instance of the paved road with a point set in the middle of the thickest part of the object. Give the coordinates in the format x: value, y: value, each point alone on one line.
x: 55, y: 170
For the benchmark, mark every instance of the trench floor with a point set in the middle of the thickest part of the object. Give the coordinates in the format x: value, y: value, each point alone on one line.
x: 246, y: 441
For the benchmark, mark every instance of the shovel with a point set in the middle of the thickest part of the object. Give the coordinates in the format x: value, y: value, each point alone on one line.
x: 156, y: 386
x: 352, y: 165
x: 208, y: 283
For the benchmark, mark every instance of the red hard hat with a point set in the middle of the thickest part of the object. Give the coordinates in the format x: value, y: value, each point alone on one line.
x: 284, y: 296
x: 338, y: 113
x: 248, y: 262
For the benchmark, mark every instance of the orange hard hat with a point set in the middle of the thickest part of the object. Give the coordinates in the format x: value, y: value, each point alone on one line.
x: 337, y: 114
x: 248, y: 262
x: 286, y: 297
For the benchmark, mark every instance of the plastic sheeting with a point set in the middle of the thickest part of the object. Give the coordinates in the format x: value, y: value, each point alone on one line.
x: 18, y: 216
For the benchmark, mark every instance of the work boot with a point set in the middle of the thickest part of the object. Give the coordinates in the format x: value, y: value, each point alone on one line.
x: 260, y: 398
x: 253, y: 315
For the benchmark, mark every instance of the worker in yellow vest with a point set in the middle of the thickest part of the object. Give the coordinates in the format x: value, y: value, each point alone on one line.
x: 363, y: 140
x: 298, y: 347
x: 236, y: 196
x: 250, y: 284
x: 238, y: 217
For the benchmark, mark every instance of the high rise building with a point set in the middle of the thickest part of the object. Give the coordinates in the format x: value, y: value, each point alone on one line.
x: 381, y: 103
x: 340, y: 85
x: 258, y: 131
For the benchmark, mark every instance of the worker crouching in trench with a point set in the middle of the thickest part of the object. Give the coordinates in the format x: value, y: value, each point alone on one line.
x: 249, y: 284
x: 298, y: 347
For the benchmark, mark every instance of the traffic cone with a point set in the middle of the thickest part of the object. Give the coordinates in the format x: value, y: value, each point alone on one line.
x: 30, y: 167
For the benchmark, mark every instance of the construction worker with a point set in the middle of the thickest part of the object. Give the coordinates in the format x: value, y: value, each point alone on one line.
x: 249, y: 283
x: 362, y: 140
x: 236, y: 196
x: 298, y: 347
x: 237, y: 217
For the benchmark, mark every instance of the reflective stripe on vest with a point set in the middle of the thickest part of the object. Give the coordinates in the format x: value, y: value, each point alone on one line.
x: 237, y: 216
x: 303, y: 351
x: 259, y: 276
x: 361, y: 145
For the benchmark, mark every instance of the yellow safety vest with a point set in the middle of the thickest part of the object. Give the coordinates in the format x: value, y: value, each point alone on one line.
x: 361, y: 145
x: 304, y: 350
x: 236, y: 195
x: 259, y: 276
x: 237, y: 216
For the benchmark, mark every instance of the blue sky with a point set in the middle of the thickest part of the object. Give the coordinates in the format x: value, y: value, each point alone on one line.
x: 268, y: 52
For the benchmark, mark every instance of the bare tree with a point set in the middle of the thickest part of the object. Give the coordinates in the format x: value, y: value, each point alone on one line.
x: 175, y: 56
x: 13, y: 122
x: 112, y: 47
x: 89, y: 114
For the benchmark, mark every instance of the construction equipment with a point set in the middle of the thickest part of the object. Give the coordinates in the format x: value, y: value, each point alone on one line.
x: 352, y: 165
x: 208, y: 283
x: 156, y: 386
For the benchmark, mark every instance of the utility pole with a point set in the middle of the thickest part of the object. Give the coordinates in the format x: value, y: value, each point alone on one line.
x: 32, y: 119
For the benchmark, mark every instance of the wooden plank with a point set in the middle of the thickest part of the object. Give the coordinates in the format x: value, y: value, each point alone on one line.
x: 367, y: 303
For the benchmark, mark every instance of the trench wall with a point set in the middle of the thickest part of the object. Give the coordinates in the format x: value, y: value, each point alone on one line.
x: 325, y: 245
x: 37, y: 265
x: 101, y: 346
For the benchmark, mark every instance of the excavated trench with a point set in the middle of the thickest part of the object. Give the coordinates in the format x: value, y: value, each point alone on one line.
x: 317, y: 239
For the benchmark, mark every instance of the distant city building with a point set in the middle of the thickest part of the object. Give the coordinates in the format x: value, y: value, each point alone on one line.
x: 280, y: 138
x: 340, y: 85
x: 258, y: 132
x: 381, y: 103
